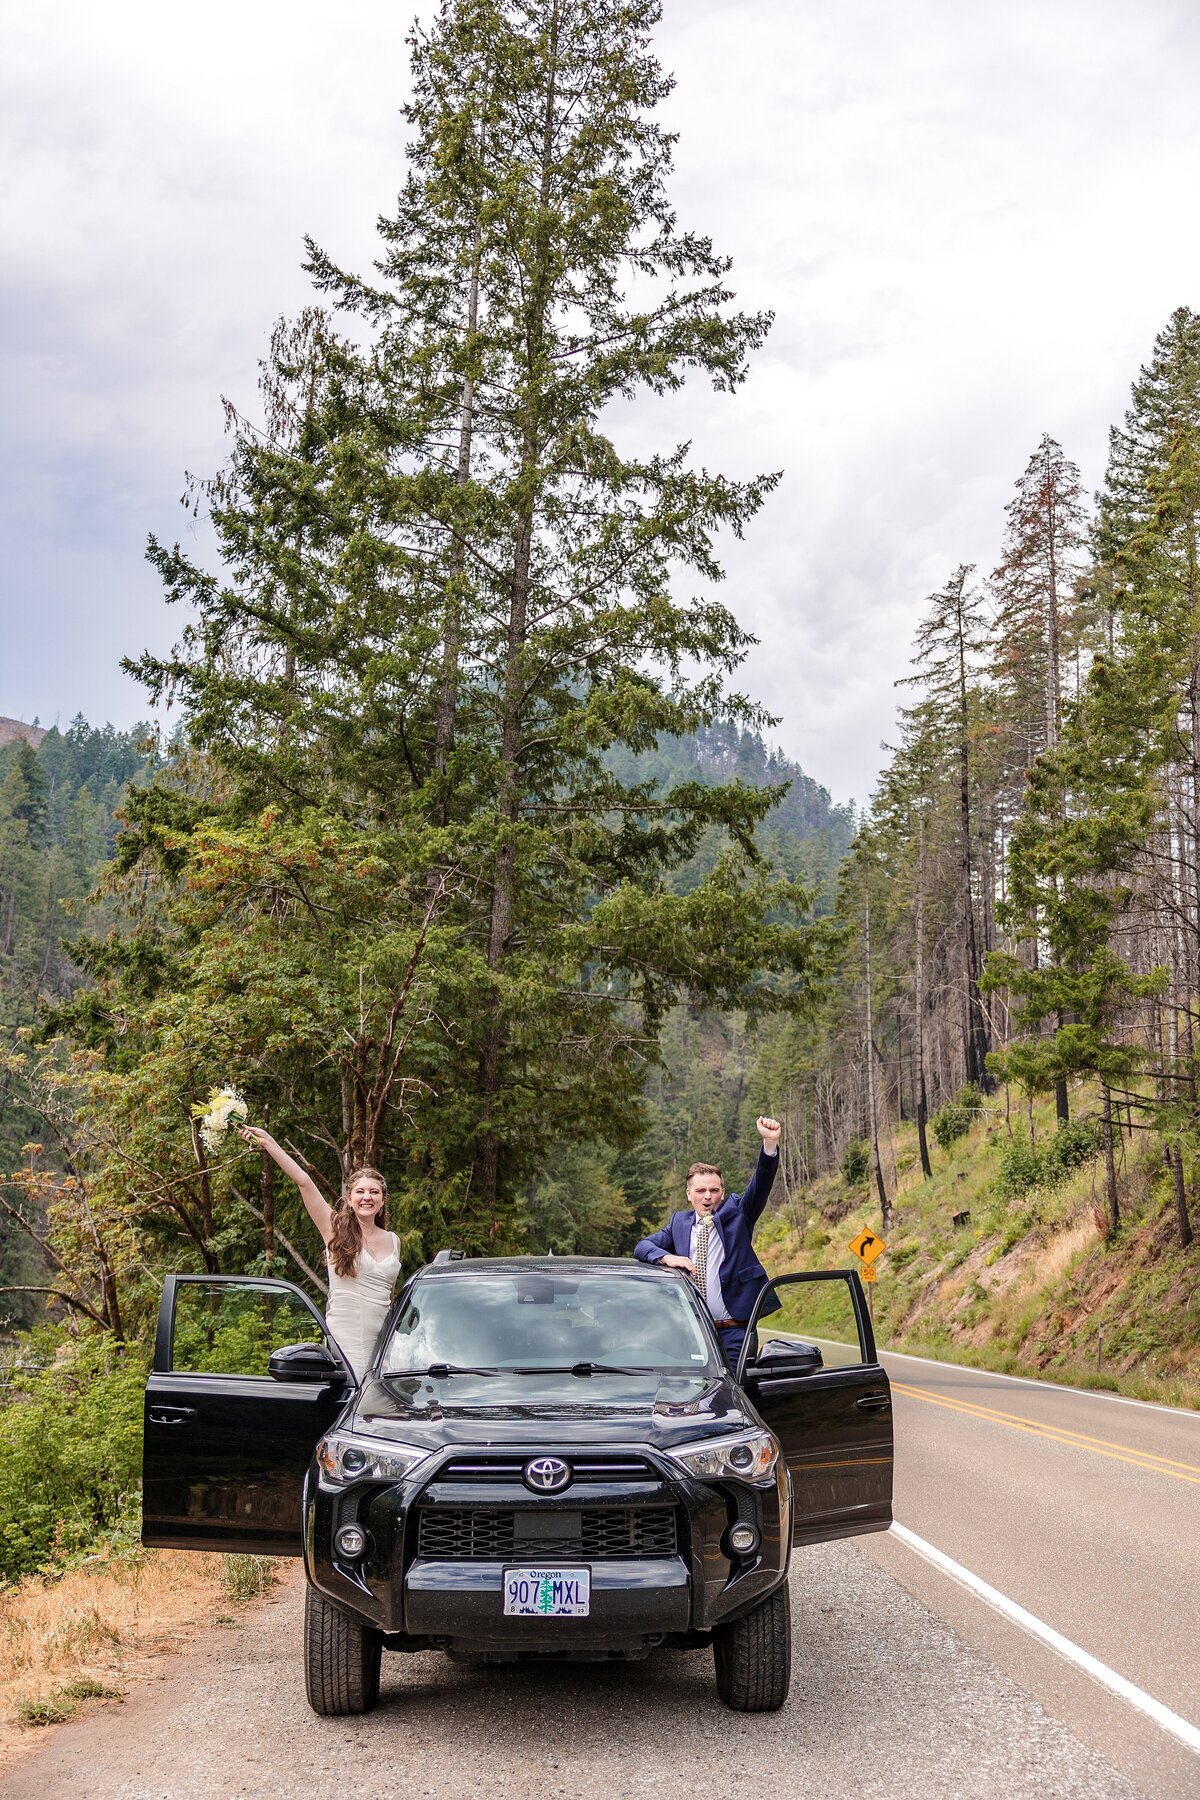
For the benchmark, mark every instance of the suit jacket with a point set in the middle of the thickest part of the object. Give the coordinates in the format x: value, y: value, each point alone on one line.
x: 742, y: 1275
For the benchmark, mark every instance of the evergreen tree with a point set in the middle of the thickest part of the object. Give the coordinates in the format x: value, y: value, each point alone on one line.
x: 949, y: 641
x: 445, y: 607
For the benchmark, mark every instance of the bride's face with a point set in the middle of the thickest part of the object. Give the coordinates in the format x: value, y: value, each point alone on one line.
x: 366, y: 1199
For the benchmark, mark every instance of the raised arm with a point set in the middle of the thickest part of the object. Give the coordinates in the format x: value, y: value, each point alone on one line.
x: 317, y: 1207
x: 760, y: 1183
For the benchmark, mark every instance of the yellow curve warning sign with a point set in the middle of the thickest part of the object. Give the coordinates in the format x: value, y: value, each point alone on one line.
x: 866, y: 1246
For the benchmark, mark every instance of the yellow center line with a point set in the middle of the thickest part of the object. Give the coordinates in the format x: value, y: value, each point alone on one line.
x: 1074, y: 1440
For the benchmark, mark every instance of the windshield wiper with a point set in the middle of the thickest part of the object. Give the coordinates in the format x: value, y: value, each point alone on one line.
x: 438, y: 1370
x: 581, y: 1368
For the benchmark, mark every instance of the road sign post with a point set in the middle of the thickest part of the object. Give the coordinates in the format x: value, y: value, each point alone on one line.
x: 868, y: 1247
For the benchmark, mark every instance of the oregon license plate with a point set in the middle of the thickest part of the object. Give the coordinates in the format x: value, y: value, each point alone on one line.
x: 547, y: 1593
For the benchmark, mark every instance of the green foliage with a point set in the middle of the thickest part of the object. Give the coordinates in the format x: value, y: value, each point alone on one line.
x: 956, y: 1118
x: 1025, y: 1166
x: 51, y: 1711
x: 468, y: 804
x: 578, y: 1208
x: 71, y: 1449
x: 856, y: 1163
x: 246, y: 1578
x: 87, y: 1688
x: 58, y: 820
x: 225, y: 1331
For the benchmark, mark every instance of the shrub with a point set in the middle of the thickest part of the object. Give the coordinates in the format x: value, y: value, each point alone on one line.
x: 44, y: 1712
x: 1025, y: 1166
x: 248, y: 1577
x: 952, y: 1124
x: 856, y: 1163
x: 1022, y: 1167
x: 1073, y: 1143
x: 958, y: 1115
x: 71, y: 1449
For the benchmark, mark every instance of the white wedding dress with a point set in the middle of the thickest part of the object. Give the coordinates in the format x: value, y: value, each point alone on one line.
x: 358, y: 1304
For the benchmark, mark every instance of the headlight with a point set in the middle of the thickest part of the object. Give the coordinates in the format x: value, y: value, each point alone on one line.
x: 747, y: 1458
x: 342, y: 1457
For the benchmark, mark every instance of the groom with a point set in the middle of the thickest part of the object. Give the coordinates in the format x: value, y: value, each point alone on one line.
x: 712, y: 1241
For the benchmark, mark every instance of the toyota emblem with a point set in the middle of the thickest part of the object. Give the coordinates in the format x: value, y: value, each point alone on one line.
x: 546, y: 1474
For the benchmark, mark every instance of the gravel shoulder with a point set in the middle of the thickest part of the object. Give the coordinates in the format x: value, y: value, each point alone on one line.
x: 886, y: 1701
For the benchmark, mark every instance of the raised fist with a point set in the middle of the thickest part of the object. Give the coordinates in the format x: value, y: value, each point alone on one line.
x: 768, y: 1131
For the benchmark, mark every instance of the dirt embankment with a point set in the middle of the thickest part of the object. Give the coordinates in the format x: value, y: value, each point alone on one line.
x: 1026, y: 1279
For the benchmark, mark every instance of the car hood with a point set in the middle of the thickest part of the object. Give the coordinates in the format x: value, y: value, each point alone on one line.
x: 502, y: 1410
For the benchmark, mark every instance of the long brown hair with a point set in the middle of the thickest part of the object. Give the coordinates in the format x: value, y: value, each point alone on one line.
x: 345, y: 1239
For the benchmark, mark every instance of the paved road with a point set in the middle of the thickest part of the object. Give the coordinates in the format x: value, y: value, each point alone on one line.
x: 887, y: 1702
x: 1082, y: 1508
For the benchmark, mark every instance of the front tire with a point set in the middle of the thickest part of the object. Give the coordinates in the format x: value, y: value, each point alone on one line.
x: 753, y: 1656
x: 341, y: 1659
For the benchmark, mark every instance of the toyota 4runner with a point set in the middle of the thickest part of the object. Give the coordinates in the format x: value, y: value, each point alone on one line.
x: 548, y: 1457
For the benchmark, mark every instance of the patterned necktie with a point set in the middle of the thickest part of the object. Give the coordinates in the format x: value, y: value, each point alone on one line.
x: 703, y: 1227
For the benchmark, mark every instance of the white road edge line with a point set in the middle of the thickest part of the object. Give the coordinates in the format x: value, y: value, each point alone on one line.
x: 1145, y: 1703
x: 937, y: 1362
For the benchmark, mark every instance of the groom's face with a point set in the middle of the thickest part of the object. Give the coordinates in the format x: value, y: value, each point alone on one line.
x: 705, y: 1193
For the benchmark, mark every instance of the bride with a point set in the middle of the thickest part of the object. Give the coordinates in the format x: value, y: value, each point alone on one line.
x: 363, y: 1258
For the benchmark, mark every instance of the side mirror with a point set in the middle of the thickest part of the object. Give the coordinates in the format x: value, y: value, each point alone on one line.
x: 305, y: 1362
x: 784, y: 1359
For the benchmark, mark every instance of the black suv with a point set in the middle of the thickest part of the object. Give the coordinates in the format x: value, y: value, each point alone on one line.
x: 548, y: 1458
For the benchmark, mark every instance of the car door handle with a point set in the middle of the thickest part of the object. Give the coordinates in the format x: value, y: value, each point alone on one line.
x: 873, y: 1402
x: 171, y: 1415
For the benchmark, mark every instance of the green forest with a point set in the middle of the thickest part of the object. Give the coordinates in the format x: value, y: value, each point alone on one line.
x: 467, y: 858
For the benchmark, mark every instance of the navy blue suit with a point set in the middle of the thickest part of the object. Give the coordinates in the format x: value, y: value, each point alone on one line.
x: 742, y: 1275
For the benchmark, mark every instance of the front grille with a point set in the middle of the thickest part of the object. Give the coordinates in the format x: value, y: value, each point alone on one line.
x: 492, y: 1534
x: 583, y: 1468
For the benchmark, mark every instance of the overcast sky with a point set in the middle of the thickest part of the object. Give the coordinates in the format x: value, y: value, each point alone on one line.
x: 970, y: 221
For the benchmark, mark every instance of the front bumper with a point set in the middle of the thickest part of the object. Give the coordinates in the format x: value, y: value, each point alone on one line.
x: 455, y: 1602
x: 460, y: 1605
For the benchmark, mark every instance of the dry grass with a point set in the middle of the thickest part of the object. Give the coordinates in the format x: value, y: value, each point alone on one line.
x: 93, y: 1632
x: 1052, y: 1259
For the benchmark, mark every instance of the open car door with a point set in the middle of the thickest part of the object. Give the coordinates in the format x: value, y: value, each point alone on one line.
x: 814, y: 1378
x: 245, y: 1380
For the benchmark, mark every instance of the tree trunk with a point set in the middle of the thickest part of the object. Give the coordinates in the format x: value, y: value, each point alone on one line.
x: 977, y: 1044
x: 1110, y: 1163
x: 268, y: 1210
x: 922, y: 1101
x: 884, y: 1207
x: 1181, y: 1205
x: 504, y: 878
x: 452, y: 629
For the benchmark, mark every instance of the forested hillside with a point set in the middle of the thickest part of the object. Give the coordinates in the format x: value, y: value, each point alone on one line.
x: 58, y: 824
x: 58, y: 828
x: 1020, y: 912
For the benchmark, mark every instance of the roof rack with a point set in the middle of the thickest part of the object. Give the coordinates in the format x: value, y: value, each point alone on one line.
x: 445, y: 1256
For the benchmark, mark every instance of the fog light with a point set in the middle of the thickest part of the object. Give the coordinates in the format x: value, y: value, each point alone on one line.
x: 743, y: 1539
x: 351, y: 1541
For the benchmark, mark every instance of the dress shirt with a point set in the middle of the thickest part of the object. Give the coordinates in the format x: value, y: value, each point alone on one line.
x: 716, y: 1256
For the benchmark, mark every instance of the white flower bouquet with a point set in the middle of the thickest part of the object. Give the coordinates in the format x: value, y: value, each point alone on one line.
x: 223, y: 1108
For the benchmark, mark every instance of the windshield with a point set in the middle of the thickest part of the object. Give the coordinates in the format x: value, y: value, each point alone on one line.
x: 533, y: 1319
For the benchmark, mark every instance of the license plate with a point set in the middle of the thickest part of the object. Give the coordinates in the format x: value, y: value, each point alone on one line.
x: 547, y: 1593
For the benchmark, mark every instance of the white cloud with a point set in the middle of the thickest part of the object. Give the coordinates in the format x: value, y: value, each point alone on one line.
x: 969, y: 221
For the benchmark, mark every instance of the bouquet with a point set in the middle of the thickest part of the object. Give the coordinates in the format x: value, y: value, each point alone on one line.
x: 216, y: 1114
